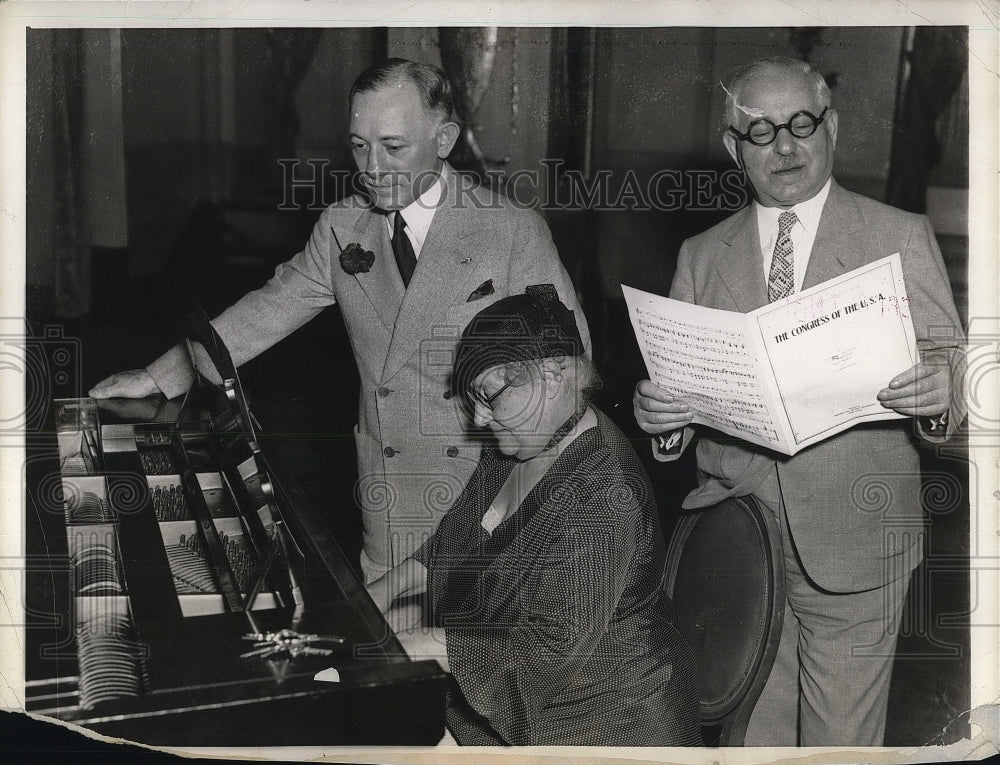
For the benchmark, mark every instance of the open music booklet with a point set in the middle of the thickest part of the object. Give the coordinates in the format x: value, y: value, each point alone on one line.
x: 790, y: 373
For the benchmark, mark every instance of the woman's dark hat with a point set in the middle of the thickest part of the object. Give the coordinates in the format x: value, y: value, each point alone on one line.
x: 535, y: 325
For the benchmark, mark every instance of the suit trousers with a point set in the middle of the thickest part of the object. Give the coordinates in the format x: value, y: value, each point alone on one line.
x: 830, y: 682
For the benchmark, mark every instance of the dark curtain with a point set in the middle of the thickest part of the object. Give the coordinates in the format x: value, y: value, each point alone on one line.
x: 937, y: 62
x: 292, y: 52
x: 467, y: 57
x: 71, y: 236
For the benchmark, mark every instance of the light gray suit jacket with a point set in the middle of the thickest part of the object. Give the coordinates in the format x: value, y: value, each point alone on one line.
x: 414, y: 451
x: 852, y: 501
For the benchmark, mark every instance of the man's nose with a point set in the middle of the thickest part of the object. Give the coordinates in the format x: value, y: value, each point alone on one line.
x: 784, y: 142
x: 373, y: 161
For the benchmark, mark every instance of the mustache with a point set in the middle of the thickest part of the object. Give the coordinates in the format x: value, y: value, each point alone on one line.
x: 788, y: 162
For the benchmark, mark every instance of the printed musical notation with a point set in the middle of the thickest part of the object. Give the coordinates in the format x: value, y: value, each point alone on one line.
x: 712, y: 369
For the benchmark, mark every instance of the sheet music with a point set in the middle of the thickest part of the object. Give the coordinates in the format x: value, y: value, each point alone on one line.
x: 790, y: 373
x: 705, y: 357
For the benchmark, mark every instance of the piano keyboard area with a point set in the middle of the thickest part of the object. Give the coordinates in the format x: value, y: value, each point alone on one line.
x: 183, y: 591
x: 112, y: 663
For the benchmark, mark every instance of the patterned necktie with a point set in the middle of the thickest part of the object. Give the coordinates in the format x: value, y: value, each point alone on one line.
x: 781, y: 280
x: 406, y: 259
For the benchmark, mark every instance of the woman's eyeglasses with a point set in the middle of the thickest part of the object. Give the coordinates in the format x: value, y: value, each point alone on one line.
x: 477, y: 396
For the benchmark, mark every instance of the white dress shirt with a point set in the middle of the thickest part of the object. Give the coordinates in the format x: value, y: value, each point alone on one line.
x: 803, y: 233
x: 420, y: 213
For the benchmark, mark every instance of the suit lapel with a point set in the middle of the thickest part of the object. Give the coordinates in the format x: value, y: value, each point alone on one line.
x: 836, y: 248
x: 446, y: 263
x: 382, y: 285
x: 739, y: 264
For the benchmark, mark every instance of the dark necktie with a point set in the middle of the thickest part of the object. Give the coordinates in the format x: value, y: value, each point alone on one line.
x: 406, y: 259
x: 781, y: 280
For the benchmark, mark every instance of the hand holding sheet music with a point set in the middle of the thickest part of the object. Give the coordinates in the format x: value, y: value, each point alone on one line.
x: 791, y: 373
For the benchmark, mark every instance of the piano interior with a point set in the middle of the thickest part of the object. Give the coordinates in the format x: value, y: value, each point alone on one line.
x: 182, y: 590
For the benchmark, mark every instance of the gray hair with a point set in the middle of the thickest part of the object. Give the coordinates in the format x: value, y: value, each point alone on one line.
x: 586, y: 381
x: 758, y: 70
x: 431, y: 82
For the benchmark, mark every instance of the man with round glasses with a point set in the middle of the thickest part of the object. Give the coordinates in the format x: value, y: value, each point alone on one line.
x: 762, y: 132
x: 847, y: 558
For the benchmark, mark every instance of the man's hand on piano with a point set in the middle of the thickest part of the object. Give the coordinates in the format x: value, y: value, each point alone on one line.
x: 136, y: 409
x: 135, y: 383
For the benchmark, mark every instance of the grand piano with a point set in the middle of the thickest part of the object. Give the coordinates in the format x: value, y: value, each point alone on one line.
x: 181, y: 590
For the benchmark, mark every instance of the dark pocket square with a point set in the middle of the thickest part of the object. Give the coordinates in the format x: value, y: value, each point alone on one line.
x: 483, y: 290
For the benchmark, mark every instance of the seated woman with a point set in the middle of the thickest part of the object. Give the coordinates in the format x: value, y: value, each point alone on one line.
x: 544, y: 576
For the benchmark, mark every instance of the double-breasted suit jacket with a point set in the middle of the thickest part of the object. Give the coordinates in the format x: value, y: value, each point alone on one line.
x: 852, y: 501
x: 414, y: 451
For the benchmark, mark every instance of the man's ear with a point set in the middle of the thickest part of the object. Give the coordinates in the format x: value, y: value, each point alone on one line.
x: 730, y: 142
x: 830, y: 120
x: 447, y: 135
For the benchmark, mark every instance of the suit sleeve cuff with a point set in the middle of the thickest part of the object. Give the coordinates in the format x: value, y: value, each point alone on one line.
x: 670, y: 446
x: 940, y: 428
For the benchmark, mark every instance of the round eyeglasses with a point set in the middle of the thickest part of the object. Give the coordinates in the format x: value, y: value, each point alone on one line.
x: 763, y: 132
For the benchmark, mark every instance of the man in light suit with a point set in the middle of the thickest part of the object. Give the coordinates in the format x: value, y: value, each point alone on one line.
x: 849, y: 507
x: 409, y: 263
